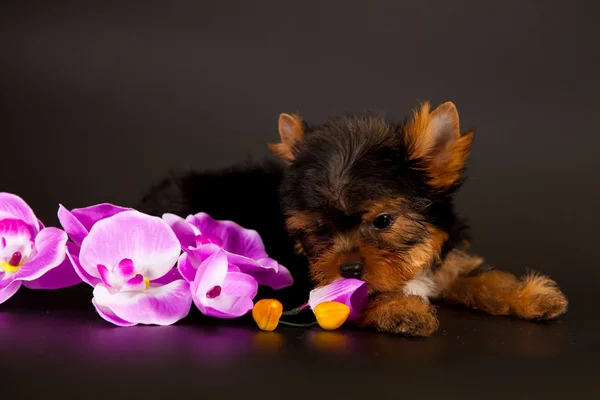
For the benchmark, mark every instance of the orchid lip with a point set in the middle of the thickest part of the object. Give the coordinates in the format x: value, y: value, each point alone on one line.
x: 135, y: 283
x: 214, y: 292
x: 15, y: 259
x: 14, y: 263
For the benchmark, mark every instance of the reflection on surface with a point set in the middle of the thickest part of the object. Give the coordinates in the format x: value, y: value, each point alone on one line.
x: 51, y: 328
x: 268, y: 341
x: 330, y: 341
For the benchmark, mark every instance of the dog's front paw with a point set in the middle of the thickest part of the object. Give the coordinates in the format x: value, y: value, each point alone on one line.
x: 400, y: 314
x: 540, y: 298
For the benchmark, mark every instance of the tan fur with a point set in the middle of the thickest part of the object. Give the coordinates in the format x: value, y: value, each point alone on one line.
x: 501, y: 293
x: 397, y: 313
x: 291, y: 132
x: 384, y: 270
x: 442, y: 160
x: 298, y: 248
x: 456, y: 263
x: 301, y: 221
x: 381, y: 206
x: 539, y: 298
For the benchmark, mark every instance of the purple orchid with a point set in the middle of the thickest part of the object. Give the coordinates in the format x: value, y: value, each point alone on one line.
x: 351, y: 292
x: 77, y: 223
x: 218, y: 288
x: 129, y: 257
x: 201, y: 236
x: 30, y: 254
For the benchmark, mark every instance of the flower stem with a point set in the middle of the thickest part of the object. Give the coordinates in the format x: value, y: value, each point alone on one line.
x: 298, y: 325
x: 296, y: 310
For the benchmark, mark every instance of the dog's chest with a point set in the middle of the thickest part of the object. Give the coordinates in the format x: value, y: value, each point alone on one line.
x: 422, y: 286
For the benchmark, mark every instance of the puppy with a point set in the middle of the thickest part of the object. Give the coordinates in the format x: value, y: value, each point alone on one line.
x: 361, y: 197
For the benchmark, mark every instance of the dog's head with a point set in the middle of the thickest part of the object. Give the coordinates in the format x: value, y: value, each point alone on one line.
x: 370, y: 199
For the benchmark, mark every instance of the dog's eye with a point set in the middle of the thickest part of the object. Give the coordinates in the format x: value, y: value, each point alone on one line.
x: 383, y: 221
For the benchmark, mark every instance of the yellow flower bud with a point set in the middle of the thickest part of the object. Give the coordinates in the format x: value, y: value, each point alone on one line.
x: 331, y: 314
x: 266, y: 314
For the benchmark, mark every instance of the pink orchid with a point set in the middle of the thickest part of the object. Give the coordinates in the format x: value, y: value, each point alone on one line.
x: 129, y: 258
x: 77, y: 223
x: 201, y: 236
x: 219, y: 289
x: 30, y: 254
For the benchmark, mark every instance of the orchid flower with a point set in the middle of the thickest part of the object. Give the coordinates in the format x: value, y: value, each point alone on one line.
x: 30, y: 254
x: 220, y: 290
x: 129, y: 259
x: 77, y: 223
x: 201, y: 236
x: 333, y: 305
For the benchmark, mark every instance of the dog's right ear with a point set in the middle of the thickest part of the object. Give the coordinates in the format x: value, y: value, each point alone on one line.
x: 291, y: 131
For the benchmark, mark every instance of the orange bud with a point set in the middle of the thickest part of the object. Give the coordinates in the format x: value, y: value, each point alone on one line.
x: 331, y: 314
x: 266, y: 314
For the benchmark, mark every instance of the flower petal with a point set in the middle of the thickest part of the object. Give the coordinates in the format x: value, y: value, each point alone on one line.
x: 57, y: 278
x: 211, y: 272
x: 169, y: 277
x: 50, y: 246
x: 183, y: 230
x: 146, y: 240
x: 224, y: 306
x: 236, y: 239
x: 189, y: 262
x: 351, y: 292
x: 73, y: 256
x: 6, y: 292
x: 74, y: 228
x: 104, y: 274
x: 12, y: 206
x: 240, y: 285
x: 125, y: 269
x: 186, y: 267
x: 266, y: 271
x: 88, y: 216
x: 109, y: 316
x: 163, y: 305
x: 16, y: 233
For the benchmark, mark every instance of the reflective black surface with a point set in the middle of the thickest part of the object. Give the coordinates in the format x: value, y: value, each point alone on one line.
x: 54, y: 345
x: 100, y: 99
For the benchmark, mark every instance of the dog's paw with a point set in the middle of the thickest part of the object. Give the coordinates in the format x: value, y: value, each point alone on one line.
x: 405, y: 315
x: 413, y: 324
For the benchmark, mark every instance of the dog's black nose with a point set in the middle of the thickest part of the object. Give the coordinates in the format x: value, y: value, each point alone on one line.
x: 351, y: 270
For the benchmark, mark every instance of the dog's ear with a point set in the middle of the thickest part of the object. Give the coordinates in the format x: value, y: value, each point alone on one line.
x: 291, y: 131
x: 434, y: 141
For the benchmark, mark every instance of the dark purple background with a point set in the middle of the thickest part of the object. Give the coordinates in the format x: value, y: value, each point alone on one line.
x: 100, y: 99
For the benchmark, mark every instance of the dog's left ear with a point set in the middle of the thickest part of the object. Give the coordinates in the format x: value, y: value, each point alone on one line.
x: 434, y: 140
x: 291, y: 131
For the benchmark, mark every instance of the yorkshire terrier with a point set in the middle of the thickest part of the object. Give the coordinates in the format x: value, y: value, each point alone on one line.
x: 362, y: 197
